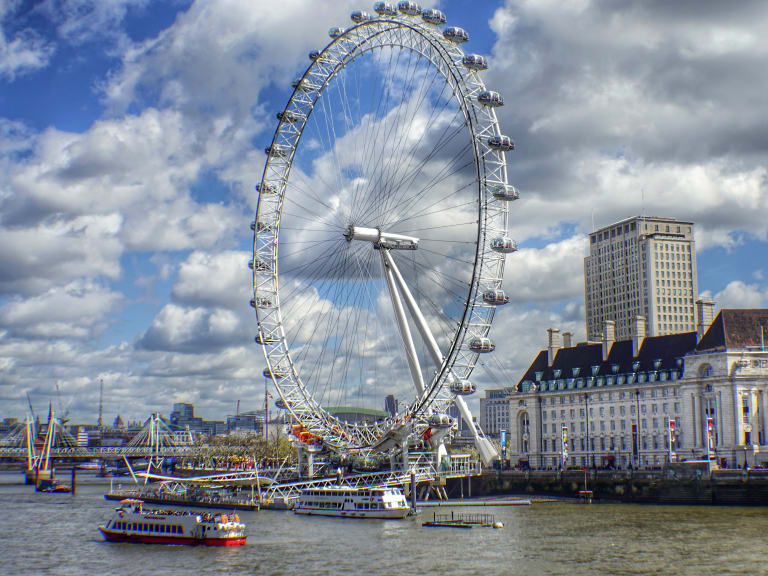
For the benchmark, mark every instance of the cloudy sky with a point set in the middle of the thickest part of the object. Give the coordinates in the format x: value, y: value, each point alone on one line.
x: 132, y: 134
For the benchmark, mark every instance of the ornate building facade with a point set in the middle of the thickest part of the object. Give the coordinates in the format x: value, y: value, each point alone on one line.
x: 615, y: 399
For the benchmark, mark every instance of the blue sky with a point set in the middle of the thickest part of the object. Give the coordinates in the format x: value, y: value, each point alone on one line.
x: 131, y: 136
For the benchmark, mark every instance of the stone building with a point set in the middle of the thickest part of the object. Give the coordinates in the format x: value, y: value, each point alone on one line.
x: 616, y: 398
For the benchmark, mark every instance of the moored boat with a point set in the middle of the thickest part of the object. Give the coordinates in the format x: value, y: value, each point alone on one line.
x: 132, y: 523
x: 350, y: 502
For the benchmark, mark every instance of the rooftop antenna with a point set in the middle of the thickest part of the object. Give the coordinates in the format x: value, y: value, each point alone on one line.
x: 642, y: 201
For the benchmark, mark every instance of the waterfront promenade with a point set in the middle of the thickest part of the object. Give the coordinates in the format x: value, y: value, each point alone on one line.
x: 721, y: 487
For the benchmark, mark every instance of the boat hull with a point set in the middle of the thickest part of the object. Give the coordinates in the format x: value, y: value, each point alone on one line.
x: 336, y: 514
x: 116, y: 536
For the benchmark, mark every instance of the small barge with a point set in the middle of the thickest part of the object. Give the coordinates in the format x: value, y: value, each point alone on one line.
x: 132, y: 523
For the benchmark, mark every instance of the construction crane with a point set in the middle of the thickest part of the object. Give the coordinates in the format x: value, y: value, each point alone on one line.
x: 64, y: 415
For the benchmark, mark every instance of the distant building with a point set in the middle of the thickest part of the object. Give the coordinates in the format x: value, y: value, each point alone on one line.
x: 641, y: 266
x: 390, y: 405
x: 183, y: 418
x: 253, y: 420
x: 616, y: 398
x: 494, y: 410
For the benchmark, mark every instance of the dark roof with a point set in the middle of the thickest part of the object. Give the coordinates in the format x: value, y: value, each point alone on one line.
x: 667, y: 349
x: 731, y: 329
x: 736, y: 328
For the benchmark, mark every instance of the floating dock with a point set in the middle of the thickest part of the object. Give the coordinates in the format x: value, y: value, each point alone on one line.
x: 462, y: 521
x: 474, y: 502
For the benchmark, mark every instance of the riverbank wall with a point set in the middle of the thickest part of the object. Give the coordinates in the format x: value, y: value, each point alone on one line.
x: 720, y: 487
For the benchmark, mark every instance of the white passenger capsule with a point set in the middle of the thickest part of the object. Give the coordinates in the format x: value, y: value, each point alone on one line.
x: 277, y: 150
x: 359, y: 16
x: 440, y: 421
x: 264, y: 188
x: 462, y: 387
x: 409, y: 8
x: 259, y: 265
x: 495, y: 297
x: 432, y: 16
x: 280, y: 404
x: 263, y: 339
x: 455, y: 34
x: 277, y: 373
x: 490, y: 98
x: 261, y: 302
x: 502, y: 142
x: 482, y: 345
x: 475, y: 62
x: 384, y: 9
x: 289, y: 116
x: 335, y: 32
x: 504, y: 192
x: 504, y: 245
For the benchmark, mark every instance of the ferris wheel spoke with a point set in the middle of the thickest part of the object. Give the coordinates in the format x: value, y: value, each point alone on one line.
x: 402, y: 127
x: 401, y: 179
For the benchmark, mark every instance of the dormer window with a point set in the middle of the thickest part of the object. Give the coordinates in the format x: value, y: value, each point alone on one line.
x: 615, y: 368
x: 657, y: 364
x: 557, y: 373
x: 635, y: 366
x: 575, y: 371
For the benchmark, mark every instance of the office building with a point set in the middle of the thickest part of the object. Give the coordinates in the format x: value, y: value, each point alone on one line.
x: 642, y: 266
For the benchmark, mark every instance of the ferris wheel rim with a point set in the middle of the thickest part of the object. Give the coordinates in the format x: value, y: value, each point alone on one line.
x: 280, y: 365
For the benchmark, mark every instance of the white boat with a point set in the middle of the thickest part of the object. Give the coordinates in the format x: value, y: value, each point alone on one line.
x: 349, y: 502
x: 132, y: 523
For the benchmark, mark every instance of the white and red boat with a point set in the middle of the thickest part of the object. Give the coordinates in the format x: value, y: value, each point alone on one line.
x: 132, y: 523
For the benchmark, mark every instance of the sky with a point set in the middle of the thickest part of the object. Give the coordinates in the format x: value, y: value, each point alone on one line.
x: 132, y: 135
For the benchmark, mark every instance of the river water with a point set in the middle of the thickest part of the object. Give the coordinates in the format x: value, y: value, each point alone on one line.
x: 58, y: 534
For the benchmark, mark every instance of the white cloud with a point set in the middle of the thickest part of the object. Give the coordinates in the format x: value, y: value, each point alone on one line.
x: 26, y: 51
x: 737, y: 294
x: 610, y: 103
x: 76, y: 310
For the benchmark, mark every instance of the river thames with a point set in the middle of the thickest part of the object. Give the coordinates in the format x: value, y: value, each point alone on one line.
x: 58, y: 534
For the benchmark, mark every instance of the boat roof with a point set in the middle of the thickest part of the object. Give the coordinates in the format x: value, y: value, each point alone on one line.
x: 131, y: 501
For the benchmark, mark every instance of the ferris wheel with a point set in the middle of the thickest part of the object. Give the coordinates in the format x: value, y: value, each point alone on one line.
x: 381, y: 232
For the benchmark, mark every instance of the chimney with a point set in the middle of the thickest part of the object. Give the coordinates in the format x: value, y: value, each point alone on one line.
x: 705, y: 313
x: 567, y: 339
x: 553, y: 345
x: 638, y: 334
x: 609, y: 337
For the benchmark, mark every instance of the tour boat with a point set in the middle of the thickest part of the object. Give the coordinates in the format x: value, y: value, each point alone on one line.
x: 349, y: 502
x: 132, y: 523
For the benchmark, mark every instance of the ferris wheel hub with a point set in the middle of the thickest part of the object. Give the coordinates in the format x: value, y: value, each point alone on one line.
x: 381, y: 239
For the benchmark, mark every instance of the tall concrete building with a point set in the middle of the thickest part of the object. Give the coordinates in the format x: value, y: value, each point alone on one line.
x: 641, y: 274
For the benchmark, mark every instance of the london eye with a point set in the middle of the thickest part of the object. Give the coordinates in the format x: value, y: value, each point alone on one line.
x: 380, y: 233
